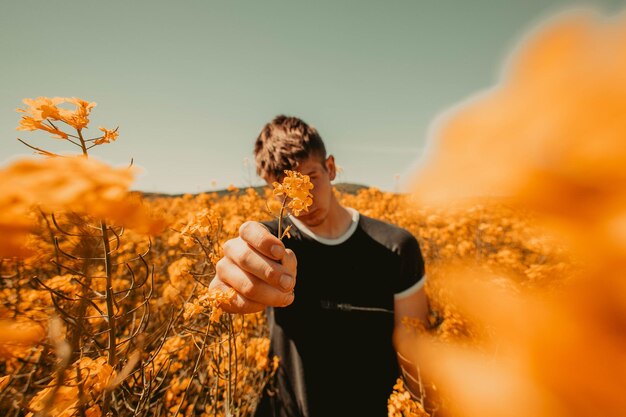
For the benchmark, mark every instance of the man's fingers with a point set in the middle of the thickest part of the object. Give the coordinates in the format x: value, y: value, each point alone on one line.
x: 260, y: 238
x: 290, y: 263
x: 258, y: 268
x: 251, y: 287
x: 238, y: 303
x: 270, y: 271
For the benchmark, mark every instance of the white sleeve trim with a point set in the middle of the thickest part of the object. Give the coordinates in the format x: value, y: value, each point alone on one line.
x: 411, y: 290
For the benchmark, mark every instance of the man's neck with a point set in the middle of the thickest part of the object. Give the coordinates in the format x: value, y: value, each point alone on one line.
x: 336, y: 223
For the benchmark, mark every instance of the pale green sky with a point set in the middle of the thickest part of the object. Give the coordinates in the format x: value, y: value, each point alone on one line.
x: 191, y: 83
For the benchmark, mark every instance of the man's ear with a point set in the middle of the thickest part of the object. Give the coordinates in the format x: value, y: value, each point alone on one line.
x: 331, y: 167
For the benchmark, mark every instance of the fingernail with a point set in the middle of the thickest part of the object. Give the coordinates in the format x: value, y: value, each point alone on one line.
x: 289, y: 298
x: 286, y: 282
x: 277, y: 251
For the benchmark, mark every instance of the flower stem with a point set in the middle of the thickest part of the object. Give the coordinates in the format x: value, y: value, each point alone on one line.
x: 280, y: 218
x: 82, y: 143
x: 110, y: 317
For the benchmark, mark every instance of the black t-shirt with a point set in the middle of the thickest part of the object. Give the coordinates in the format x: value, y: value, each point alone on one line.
x: 335, y: 340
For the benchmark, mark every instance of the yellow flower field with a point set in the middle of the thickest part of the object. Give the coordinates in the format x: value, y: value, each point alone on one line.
x: 175, y: 351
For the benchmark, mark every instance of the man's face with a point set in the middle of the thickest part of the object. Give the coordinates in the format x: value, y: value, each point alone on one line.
x: 321, y: 174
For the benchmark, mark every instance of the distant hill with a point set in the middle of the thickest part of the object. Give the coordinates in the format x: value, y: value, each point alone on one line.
x: 343, y: 187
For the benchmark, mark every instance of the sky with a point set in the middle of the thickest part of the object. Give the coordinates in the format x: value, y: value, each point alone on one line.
x: 191, y: 83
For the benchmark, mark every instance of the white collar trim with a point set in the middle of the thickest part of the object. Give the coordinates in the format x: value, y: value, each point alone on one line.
x: 326, y: 241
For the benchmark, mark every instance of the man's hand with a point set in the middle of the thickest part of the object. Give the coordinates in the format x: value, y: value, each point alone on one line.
x: 259, y: 268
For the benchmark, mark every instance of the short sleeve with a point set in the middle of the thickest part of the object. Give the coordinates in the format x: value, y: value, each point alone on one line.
x: 412, y: 274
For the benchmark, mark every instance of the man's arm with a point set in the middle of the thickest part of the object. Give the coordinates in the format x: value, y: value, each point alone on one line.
x: 258, y: 267
x: 412, y: 306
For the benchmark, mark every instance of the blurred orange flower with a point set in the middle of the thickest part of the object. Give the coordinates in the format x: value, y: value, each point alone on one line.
x: 77, y: 184
x: 17, y: 335
x: 550, y: 138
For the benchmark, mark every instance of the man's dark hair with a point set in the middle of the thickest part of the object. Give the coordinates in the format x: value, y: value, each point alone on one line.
x: 284, y: 143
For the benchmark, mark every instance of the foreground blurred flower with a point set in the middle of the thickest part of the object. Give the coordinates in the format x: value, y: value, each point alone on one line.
x: 18, y: 335
x: 550, y: 139
x: 550, y: 136
x: 67, y: 184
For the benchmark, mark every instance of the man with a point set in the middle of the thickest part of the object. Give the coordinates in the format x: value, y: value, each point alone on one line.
x: 357, y: 278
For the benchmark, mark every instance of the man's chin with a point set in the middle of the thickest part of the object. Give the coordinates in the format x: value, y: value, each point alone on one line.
x: 310, y: 218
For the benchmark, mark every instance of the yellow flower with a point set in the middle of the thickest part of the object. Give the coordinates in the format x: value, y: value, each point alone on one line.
x: 46, y: 109
x: 77, y: 118
x: 296, y: 187
x: 42, y: 108
x: 31, y: 123
x: 108, y: 137
x: 95, y: 374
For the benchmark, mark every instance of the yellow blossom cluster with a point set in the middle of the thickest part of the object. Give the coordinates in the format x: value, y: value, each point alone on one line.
x: 44, y: 113
x: 176, y: 350
x: 45, y: 109
x: 179, y: 286
x: 205, y: 222
x: 109, y: 135
x: 94, y: 378
x: 297, y: 188
x: 208, y: 300
x: 401, y: 404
